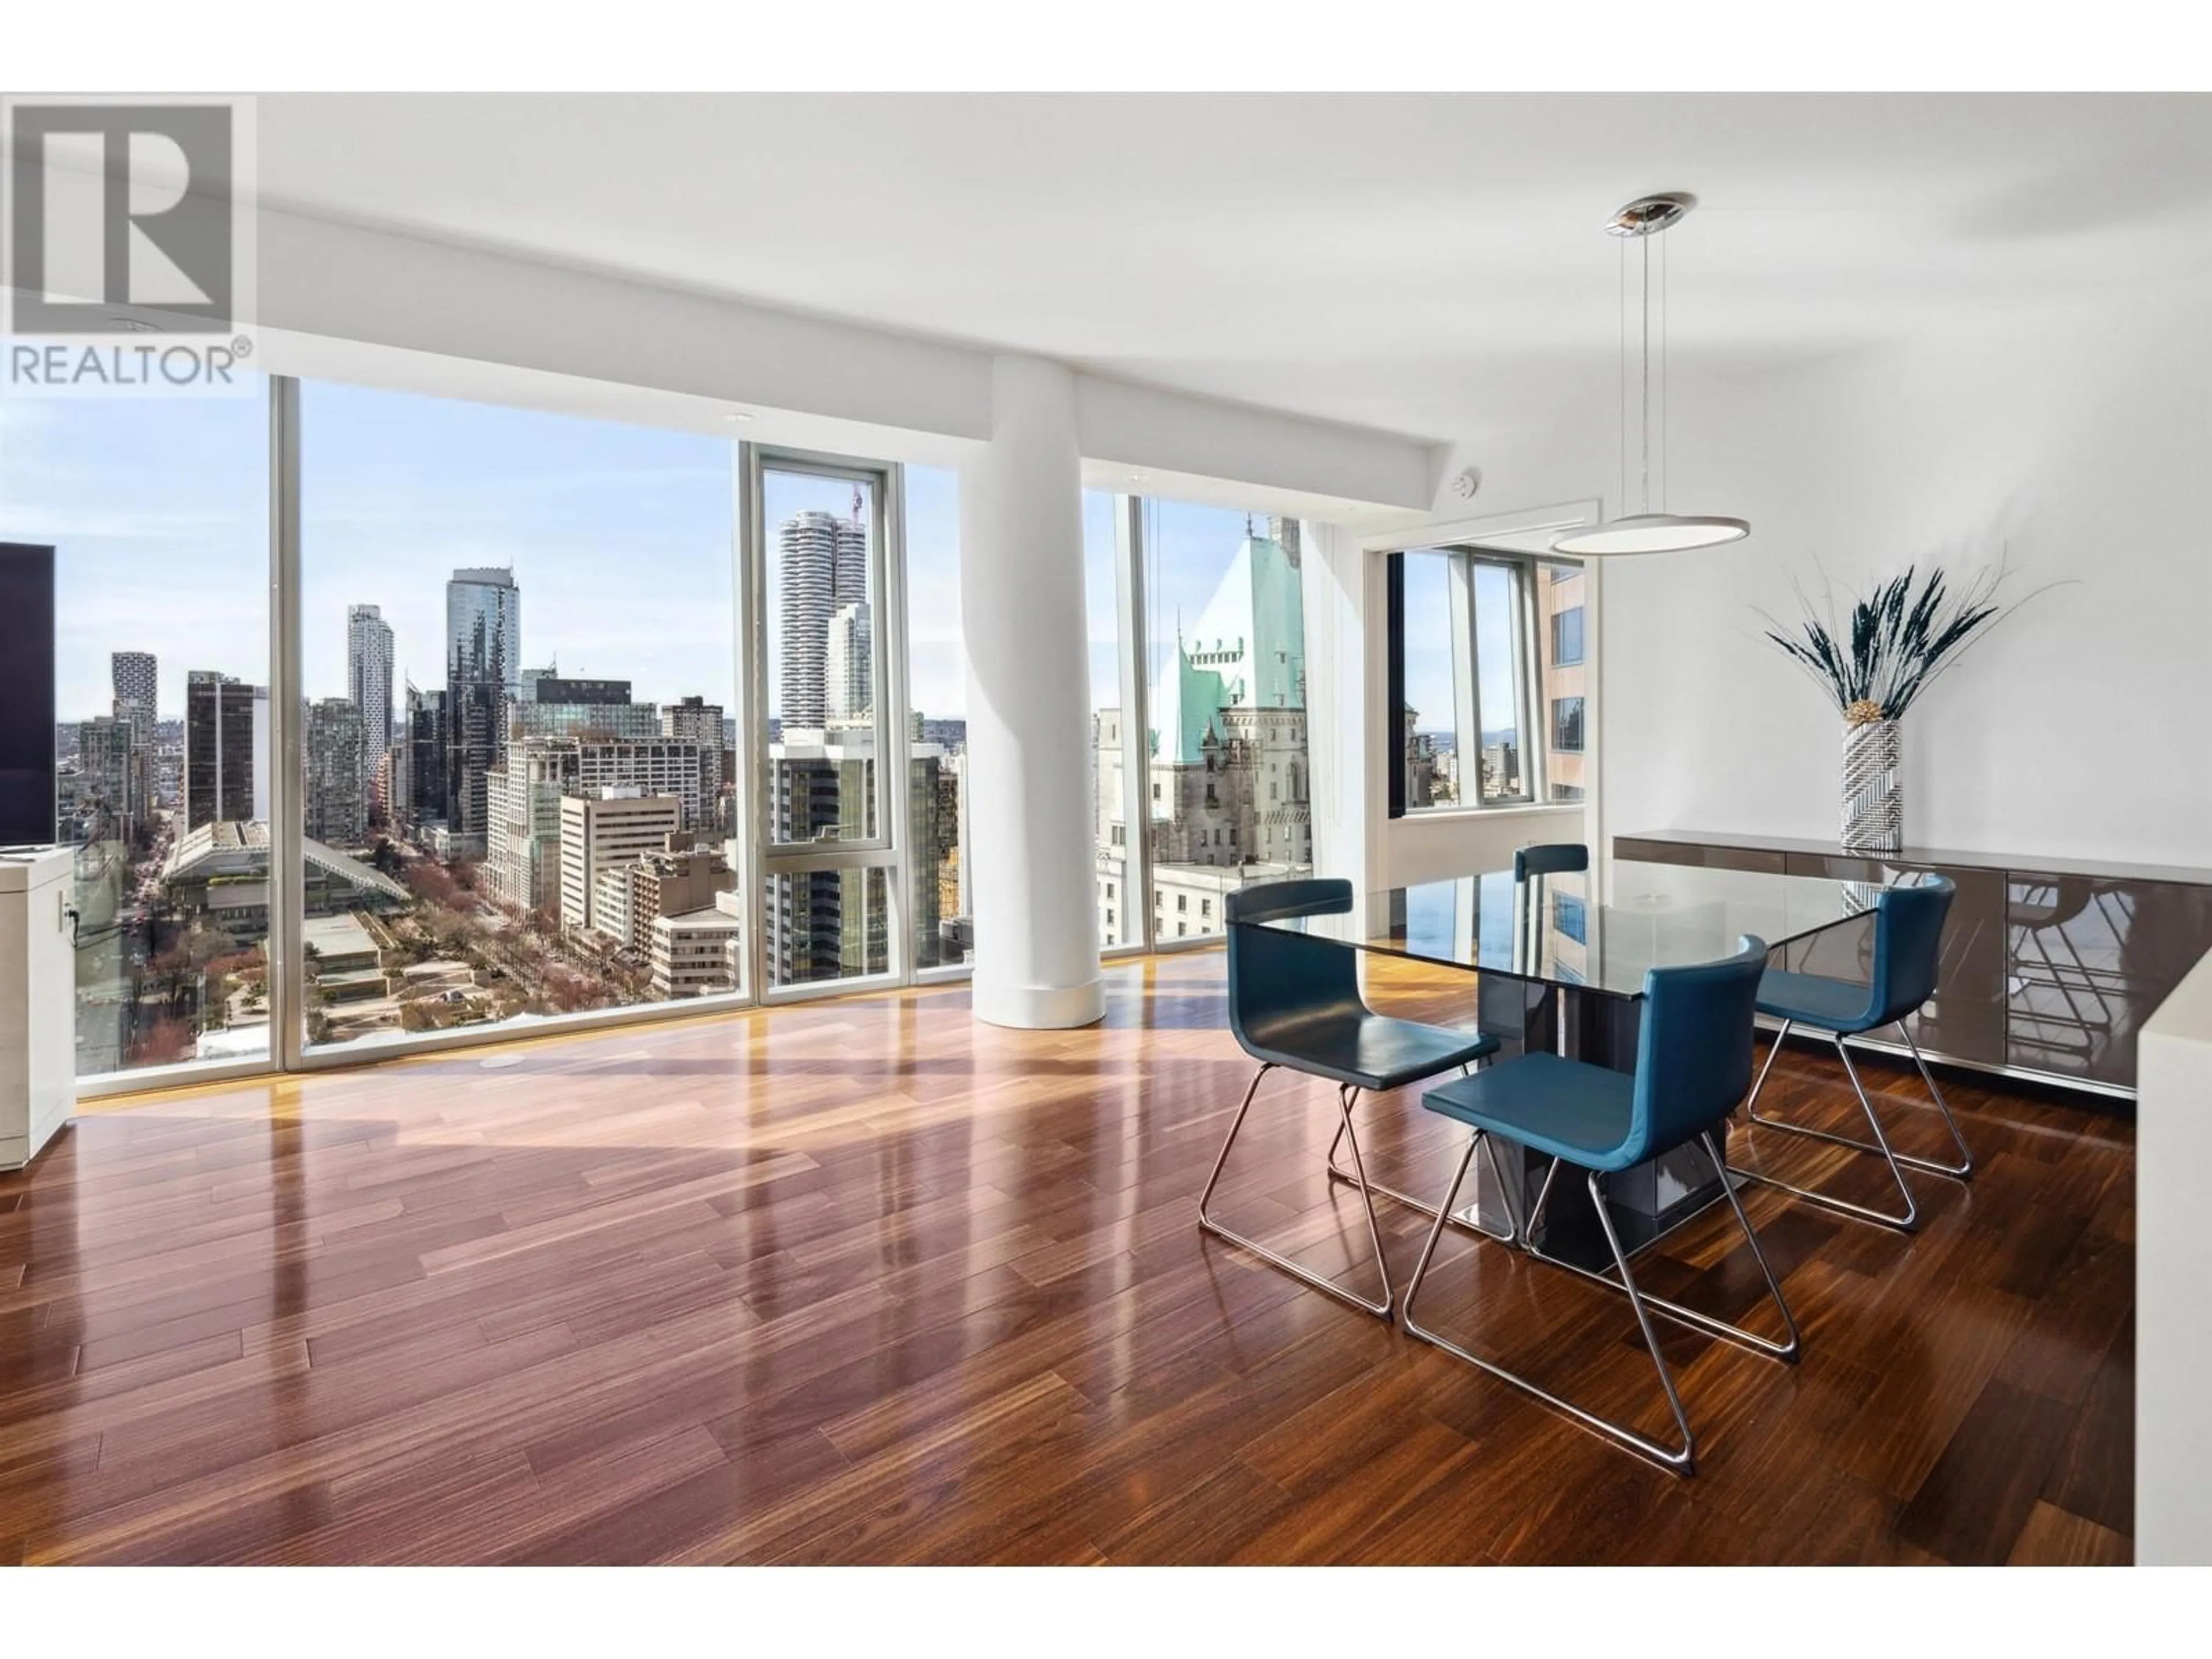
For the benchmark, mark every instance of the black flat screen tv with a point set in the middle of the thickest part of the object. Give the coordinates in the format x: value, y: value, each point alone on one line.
x: 26, y: 694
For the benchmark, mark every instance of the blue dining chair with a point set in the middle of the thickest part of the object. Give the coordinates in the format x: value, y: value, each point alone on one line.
x: 1692, y: 1064
x: 1294, y: 1002
x: 1908, y: 937
x: 1549, y: 858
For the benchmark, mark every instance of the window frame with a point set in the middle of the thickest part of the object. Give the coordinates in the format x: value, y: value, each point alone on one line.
x: 1560, y: 658
x: 1530, y: 721
x: 1582, y: 706
x: 891, y: 848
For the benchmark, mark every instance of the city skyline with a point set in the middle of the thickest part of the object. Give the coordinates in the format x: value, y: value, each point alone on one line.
x: 432, y: 867
x: 162, y: 524
x: 160, y: 516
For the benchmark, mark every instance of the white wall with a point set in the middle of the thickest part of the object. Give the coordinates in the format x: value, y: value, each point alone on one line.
x: 2173, y: 1254
x: 1432, y: 846
x: 2074, y: 440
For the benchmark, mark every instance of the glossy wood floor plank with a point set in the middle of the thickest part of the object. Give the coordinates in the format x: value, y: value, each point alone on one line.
x: 866, y: 1281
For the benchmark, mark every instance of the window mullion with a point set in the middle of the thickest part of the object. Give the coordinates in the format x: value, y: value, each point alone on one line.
x: 286, y: 889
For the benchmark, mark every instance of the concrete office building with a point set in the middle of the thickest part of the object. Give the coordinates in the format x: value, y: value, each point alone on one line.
x: 107, y: 795
x: 226, y: 750
x: 336, y: 803
x: 627, y: 898
x: 697, y: 953
x: 614, y: 826
x: 551, y: 705
x: 522, y: 825
x: 693, y: 719
x: 523, y: 793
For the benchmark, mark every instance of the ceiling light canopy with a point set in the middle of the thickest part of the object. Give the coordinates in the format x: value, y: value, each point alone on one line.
x: 1645, y: 531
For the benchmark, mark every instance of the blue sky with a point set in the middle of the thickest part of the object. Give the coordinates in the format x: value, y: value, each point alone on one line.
x: 1428, y: 643
x: 620, y: 538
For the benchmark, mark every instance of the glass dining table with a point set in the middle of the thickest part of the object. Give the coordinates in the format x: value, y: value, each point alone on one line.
x: 1558, y: 962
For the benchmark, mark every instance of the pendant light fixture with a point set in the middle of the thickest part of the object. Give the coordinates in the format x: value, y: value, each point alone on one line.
x: 1647, y: 532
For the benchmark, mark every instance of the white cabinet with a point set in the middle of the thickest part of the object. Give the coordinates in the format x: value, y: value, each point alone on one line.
x: 38, y: 1000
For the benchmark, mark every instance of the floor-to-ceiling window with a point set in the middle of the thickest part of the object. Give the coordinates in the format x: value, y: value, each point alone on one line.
x: 1226, y: 786
x: 516, y: 669
x: 565, y: 716
x: 158, y: 513
x: 937, y: 698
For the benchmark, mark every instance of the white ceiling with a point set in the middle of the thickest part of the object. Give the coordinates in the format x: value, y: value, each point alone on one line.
x: 1402, y: 262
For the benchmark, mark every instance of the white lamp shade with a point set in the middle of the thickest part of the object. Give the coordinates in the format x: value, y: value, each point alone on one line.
x: 1649, y: 532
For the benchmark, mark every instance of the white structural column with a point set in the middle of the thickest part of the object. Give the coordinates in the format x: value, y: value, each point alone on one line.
x: 1030, y: 863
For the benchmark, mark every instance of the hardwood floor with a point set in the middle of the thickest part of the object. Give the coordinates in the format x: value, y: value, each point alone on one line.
x: 868, y: 1281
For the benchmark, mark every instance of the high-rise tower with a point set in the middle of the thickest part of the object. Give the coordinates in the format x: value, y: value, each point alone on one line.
x: 135, y: 680
x: 483, y: 670
x: 825, y: 565
x: 848, y: 676
x: 336, y: 796
x: 225, y: 722
x: 368, y: 678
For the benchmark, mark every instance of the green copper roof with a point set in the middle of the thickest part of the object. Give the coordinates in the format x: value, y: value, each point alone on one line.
x: 1247, y: 650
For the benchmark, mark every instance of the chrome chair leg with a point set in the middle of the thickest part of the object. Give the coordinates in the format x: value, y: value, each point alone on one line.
x: 1690, y: 1318
x: 1751, y: 1101
x: 1962, y: 1170
x: 1511, y: 1236
x: 1683, y: 1462
x: 1297, y: 1270
x: 1906, y: 1223
x: 1679, y: 1462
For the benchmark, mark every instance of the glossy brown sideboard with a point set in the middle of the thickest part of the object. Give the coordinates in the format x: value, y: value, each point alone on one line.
x: 2050, y: 968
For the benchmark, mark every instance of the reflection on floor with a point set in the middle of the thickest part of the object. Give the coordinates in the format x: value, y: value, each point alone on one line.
x: 866, y: 1281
